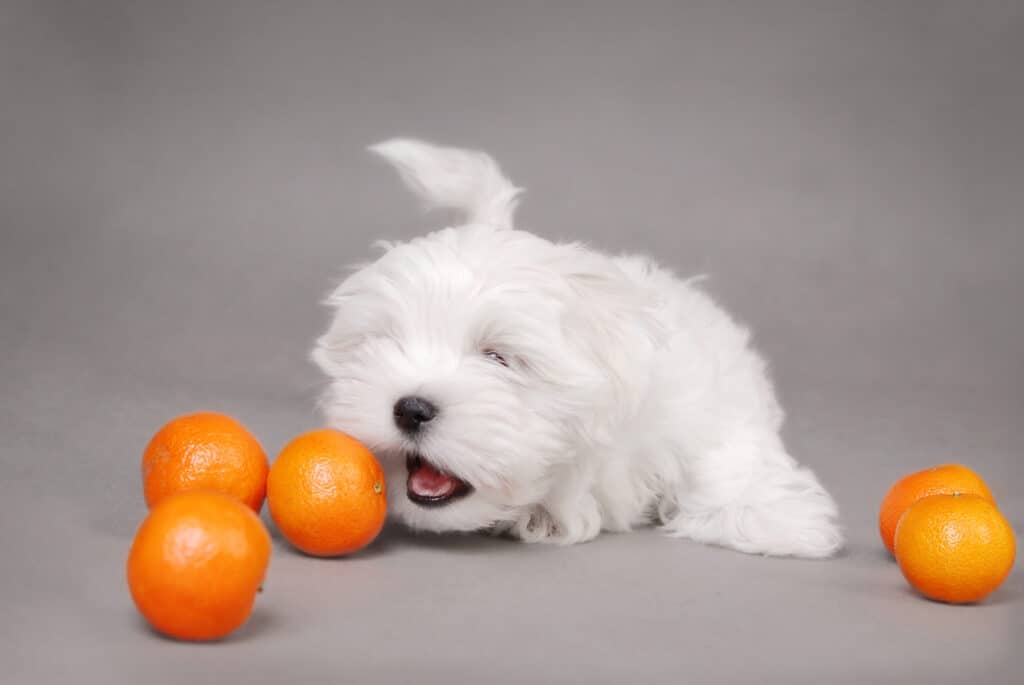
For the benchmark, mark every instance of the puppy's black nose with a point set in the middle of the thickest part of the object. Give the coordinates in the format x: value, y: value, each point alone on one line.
x: 413, y: 412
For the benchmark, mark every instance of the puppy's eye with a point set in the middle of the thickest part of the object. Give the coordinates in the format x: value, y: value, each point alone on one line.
x: 495, y: 356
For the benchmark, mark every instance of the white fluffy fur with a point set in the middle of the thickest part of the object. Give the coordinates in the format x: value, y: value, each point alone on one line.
x: 630, y: 396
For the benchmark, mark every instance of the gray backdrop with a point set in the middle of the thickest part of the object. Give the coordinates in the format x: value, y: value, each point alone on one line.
x: 180, y: 183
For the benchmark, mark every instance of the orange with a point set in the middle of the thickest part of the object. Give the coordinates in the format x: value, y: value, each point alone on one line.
x: 938, y: 480
x: 326, y: 493
x: 954, y: 548
x: 205, y: 451
x: 196, y: 564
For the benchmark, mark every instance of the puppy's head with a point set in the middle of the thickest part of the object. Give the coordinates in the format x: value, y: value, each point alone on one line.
x: 477, y: 361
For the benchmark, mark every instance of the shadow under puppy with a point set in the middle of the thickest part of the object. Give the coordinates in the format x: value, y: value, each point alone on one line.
x: 550, y: 391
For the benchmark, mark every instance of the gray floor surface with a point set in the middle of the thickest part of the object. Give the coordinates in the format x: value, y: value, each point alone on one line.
x: 181, y: 183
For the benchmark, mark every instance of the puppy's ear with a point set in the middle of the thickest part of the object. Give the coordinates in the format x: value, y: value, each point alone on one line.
x: 467, y: 181
x: 612, y: 319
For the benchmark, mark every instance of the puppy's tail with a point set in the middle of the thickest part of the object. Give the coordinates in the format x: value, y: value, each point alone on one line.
x: 451, y: 178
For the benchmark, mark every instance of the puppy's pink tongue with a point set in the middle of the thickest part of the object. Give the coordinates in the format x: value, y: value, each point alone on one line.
x: 427, y: 481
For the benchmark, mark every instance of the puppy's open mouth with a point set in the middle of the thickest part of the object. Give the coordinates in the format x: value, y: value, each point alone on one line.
x: 429, y: 486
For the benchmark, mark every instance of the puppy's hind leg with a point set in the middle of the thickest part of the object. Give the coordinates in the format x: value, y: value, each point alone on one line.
x: 753, y: 497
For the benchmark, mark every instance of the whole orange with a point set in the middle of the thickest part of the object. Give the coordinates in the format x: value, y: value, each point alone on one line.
x: 205, y: 451
x: 326, y: 493
x: 196, y: 564
x: 947, y: 479
x: 954, y: 548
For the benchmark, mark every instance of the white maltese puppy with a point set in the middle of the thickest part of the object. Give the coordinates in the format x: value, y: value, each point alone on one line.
x: 551, y: 392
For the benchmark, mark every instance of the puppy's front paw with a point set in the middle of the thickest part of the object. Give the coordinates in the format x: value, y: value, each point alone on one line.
x: 536, y: 525
x: 540, y: 525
